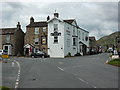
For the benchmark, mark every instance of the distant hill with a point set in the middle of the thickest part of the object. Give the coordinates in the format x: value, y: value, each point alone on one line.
x: 106, y: 40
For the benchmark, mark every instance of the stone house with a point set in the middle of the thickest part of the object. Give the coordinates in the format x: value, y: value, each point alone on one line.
x: 35, y: 37
x: 12, y: 40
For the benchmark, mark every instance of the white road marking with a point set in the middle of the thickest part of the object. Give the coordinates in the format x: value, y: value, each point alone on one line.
x: 87, y: 82
x: 60, y: 68
x: 106, y: 62
x: 79, y: 78
x: 13, y: 64
x: 18, y: 75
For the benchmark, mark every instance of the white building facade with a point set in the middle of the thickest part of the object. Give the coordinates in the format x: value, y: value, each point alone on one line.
x: 65, y: 38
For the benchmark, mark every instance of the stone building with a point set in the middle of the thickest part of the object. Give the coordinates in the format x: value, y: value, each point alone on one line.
x: 12, y: 40
x: 35, y: 37
x: 56, y: 37
x: 92, y: 44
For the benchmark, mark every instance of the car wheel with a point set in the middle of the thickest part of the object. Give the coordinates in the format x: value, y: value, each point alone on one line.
x: 43, y: 56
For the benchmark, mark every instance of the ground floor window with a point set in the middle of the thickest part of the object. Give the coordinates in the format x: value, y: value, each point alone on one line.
x: 36, y: 41
x: 74, y: 41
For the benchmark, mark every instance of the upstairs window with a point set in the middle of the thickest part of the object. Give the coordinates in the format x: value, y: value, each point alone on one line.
x: 79, y: 34
x: 74, y: 41
x: 73, y: 30
x: 7, y: 38
x: 83, y: 36
x: 36, y: 30
x: 55, y: 27
x: 55, y: 39
x: 44, y: 29
x: 68, y: 42
x: 36, y: 41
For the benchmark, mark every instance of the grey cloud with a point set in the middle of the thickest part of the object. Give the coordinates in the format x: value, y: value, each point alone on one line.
x: 94, y: 17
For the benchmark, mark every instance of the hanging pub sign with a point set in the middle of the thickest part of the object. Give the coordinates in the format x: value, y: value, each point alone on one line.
x: 55, y: 34
x: 43, y: 40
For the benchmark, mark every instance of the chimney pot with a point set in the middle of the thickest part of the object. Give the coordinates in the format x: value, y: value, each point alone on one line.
x: 56, y: 15
x: 48, y: 18
x: 31, y: 20
x: 18, y: 25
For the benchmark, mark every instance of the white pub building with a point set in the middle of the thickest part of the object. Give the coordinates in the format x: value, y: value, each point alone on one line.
x: 65, y: 38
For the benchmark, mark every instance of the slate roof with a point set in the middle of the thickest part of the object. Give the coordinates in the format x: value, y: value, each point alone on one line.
x: 69, y: 21
x: 7, y: 30
x: 38, y: 24
x: 44, y: 23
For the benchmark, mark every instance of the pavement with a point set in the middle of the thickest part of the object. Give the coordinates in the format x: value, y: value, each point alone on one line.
x: 75, y: 72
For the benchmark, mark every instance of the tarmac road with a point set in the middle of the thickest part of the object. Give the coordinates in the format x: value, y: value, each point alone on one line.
x: 74, y: 72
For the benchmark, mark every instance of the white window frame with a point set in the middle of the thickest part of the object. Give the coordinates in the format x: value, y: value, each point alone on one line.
x: 44, y: 29
x: 79, y: 35
x: 36, y: 30
x: 83, y: 36
x: 68, y: 42
x: 8, y: 38
x: 73, y: 30
x: 74, y: 42
x: 36, y: 40
x: 55, y: 39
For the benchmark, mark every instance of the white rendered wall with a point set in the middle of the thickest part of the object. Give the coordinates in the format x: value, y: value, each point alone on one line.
x: 72, y: 49
x: 57, y: 49
x: 68, y: 37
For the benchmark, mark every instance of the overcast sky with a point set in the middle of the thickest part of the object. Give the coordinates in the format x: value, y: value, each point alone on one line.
x: 99, y: 18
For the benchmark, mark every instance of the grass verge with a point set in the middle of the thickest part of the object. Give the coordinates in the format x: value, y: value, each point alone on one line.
x: 115, y: 62
x: 4, y: 88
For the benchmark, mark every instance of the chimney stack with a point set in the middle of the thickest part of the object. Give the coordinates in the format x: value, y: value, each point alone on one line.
x: 31, y: 20
x: 18, y: 25
x: 56, y: 15
x: 48, y: 18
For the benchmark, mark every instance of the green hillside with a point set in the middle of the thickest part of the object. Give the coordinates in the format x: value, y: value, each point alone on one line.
x: 110, y: 39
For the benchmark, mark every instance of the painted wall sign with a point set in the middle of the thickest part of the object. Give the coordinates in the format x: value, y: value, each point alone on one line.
x: 55, y: 34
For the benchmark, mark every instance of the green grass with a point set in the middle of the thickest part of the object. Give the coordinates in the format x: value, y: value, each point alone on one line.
x: 4, y: 88
x: 115, y: 62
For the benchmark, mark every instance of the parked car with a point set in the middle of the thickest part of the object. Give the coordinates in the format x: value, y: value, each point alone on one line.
x: 93, y: 51
x: 39, y: 54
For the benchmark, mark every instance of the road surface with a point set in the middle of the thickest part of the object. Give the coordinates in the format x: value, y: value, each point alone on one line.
x: 74, y: 72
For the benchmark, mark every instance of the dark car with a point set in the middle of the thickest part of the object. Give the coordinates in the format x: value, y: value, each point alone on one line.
x: 93, y: 51
x: 39, y: 54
